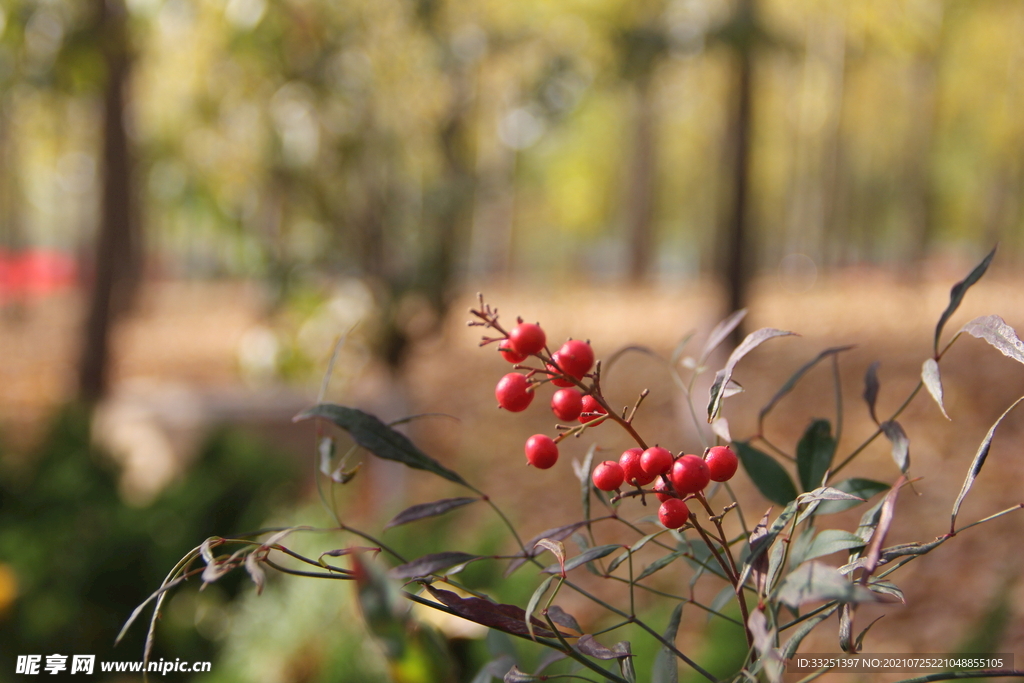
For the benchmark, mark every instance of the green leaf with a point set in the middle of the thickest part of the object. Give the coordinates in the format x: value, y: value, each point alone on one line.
x: 658, y: 564
x: 956, y: 295
x: 381, y: 440
x: 666, y: 667
x: 862, y: 488
x: 814, y: 581
x: 424, y: 510
x: 771, y: 479
x: 832, y: 541
x: 532, y: 605
x: 814, y: 454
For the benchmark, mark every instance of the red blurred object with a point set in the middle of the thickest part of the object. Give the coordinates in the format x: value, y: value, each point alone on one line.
x: 35, y: 272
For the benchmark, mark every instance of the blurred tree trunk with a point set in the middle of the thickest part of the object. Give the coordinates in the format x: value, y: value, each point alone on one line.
x: 642, y: 189
x: 738, y: 253
x: 922, y: 195
x: 117, y: 261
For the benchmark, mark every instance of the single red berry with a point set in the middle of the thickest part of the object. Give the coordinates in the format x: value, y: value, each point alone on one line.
x: 556, y: 376
x: 673, y: 513
x: 722, y: 463
x: 607, y: 476
x: 576, y: 357
x: 567, y: 404
x: 656, y: 460
x: 689, y: 474
x: 541, y: 451
x: 662, y: 491
x: 511, y: 355
x: 590, y: 405
x: 527, y: 338
x: 629, y: 461
x: 513, y: 392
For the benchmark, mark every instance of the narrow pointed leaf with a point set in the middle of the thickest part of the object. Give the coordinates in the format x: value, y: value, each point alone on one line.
x: 814, y: 453
x: 666, y: 666
x: 956, y: 295
x: 860, y: 490
x: 828, y: 493
x: 774, y: 567
x: 532, y: 604
x: 758, y: 561
x: 507, y: 618
x: 614, y: 564
x: 884, y: 587
x: 771, y: 479
x: 430, y: 564
x: 871, y: 388
x: 859, y: 643
x: 589, y: 646
x: 424, y: 510
x: 874, y: 552
x: 933, y: 383
x: 753, y: 340
x: 791, y: 382
x: 585, y: 557
x: 996, y: 332
x: 977, y: 464
x: 847, y: 612
x: 563, y: 618
x: 658, y: 564
x: 814, y: 581
x: 721, y: 333
x: 832, y: 541
x: 900, y: 443
x: 378, y: 438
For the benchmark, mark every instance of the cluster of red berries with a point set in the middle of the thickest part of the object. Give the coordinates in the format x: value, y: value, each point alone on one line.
x: 567, y: 367
x: 674, y: 478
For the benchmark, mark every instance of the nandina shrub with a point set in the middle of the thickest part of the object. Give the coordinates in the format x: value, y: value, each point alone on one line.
x: 769, y: 573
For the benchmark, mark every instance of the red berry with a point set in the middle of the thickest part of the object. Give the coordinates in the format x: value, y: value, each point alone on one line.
x: 673, y: 513
x: 557, y: 377
x: 567, y: 404
x: 689, y: 474
x: 511, y: 355
x: 527, y: 338
x: 629, y: 461
x: 513, y: 392
x: 660, y: 486
x: 607, y: 476
x: 722, y: 463
x: 590, y: 405
x: 576, y: 357
x: 656, y: 460
x: 541, y: 451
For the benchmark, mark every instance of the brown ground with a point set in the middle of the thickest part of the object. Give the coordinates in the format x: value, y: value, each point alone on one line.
x: 188, y: 335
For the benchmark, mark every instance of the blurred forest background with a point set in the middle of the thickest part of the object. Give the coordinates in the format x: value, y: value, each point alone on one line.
x: 198, y: 197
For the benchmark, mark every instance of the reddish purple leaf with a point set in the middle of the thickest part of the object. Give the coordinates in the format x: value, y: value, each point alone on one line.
x: 507, y: 618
